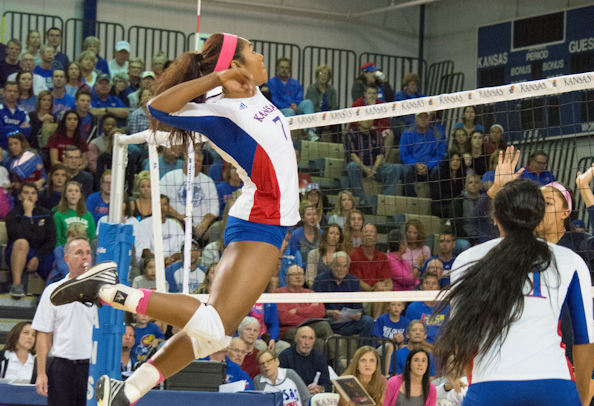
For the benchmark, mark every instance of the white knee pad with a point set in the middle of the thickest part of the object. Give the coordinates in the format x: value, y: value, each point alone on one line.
x: 207, y: 331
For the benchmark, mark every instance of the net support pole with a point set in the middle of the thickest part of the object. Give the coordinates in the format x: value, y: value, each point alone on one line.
x: 118, y: 172
x: 197, y: 38
x: 157, y: 225
x: 188, y: 219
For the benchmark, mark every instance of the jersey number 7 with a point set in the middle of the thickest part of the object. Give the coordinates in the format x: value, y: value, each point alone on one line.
x: 277, y: 120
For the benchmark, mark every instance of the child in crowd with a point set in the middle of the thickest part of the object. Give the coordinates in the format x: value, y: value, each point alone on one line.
x: 393, y: 326
x: 148, y: 336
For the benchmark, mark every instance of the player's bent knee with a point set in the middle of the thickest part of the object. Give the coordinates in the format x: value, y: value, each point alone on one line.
x: 207, y: 332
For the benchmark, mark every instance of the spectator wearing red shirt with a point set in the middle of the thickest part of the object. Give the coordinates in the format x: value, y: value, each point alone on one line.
x: 371, y: 267
x: 291, y: 315
x: 370, y: 98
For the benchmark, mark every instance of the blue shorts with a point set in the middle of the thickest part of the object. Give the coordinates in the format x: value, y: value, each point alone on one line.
x: 242, y: 230
x: 46, y: 263
x: 546, y: 392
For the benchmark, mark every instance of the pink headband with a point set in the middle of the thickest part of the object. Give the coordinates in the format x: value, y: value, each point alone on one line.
x: 227, y: 52
x: 563, y: 191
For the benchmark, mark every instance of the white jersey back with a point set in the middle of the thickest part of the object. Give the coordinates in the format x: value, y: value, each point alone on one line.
x: 533, y: 350
x: 253, y: 135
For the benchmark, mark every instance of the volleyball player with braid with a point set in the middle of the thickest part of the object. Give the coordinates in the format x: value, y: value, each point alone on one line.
x: 249, y: 132
x: 506, y: 300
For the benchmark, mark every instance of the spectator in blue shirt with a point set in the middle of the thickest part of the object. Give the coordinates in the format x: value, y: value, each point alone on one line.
x: 98, y: 202
x: 422, y: 148
x: 410, y: 90
x: 391, y: 325
x: 12, y: 118
x: 290, y: 256
x: 53, y: 38
x: 45, y: 69
x: 536, y: 169
x: 416, y: 333
x: 88, y: 122
x: 231, y: 183
x: 62, y: 101
x: 233, y: 372
x: 102, y: 102
x: 148, y: 336
x: 424, y: 310
x: 93, y: 44
x: 468, y: 121
x: 168, y: 161
x: 287, y: 94
x: 340, y: 280
x: 135, y: 69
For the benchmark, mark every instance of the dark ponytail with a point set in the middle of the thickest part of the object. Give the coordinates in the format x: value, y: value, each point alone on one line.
x: 190, y: 66
x: 489, y: 296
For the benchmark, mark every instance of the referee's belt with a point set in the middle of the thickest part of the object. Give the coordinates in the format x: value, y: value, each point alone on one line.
x: 73, y: 361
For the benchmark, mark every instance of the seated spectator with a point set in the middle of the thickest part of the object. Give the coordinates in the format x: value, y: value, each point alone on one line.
x: 158, y: 64
x: 147, y: 80
x: 98, y: 202
x: 28, y: 63
x: 139, y: 118
x: 74, y: 80
x: 434, y: 266
x: 468, y: 121
x: 46, y: 68
x: 53, y: 37
x: 495, y: 139
x: 450, y: 185
x: 391, y: 325
x: 103, y: 103
x: 381, y: 125
x: 120, y: 87
x: 208, y: 277
x: 30, y: 243
x: 320, y: 259
x: 173, y: 235
x: 32, y: 44
x: 169, y: 161
x: 365, y: 150
x: 340, y: 280
x: 481, y: 220
x: 88, y: 122
x: 25, y: 165
x: 56, y: 184
x: 371, y: 76
x: 353, y: 230
x: 480, y: 161
x: 248, y: 331
x: 321, y: 93
x: 12, y: 117
x: 73, y: 160
x: 27, y: 100
x: 61, y: 269
x: 236, y: 351
x: 489, y: 176
x: 43, y: 121
x: 99, y: 144
x: 267, y: 316
x: 287, y: 94
x: 307, y: 362
x: 365, y: 366
x: 148, y: 336
x: 288, y: 258
x: 371, y: 267
x: 206, y: 208
x: 142, y: 207
x: 403, y: 277
x: 304, y: 178
x: 416, y: 334
x: 536, y: 169
x: 135, y: 68
x: 447, y: 242
x: 403, y: 389
x: 410, y: 90
x: 93, y: 45
x: 461, y: 141
x: 71, y: 209
x: 214, y: 250
x: 17, y: 359
x: 147, y: 277
x: 11, y: 63
x: 306, y: 237
x: 313, y: 193
x: 121, y: 55
x: 67, y: 134
x: 87, y: 61
x: 105, y: 159
x: 424, y: 310
x: 422, y: 148
x: 462, y: 207
x: 417, y: 252
x: 293, y: 315
x: 175, y: 272
x: 232, y: 182
x: 62, y: 101
x: 233, y: 372
x: 272, y: 378
x: 344, y: 205
x: 127, y: 360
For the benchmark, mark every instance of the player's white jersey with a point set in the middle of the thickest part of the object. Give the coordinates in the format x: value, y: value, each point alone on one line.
x: 252, y: 134
x: 533, y: 348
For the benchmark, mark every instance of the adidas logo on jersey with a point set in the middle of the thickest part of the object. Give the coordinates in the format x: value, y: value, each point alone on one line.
x: 242, y: 106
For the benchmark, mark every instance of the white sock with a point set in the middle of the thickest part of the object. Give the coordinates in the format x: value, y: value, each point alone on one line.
x: 121, y: 297
x: 142, y: 380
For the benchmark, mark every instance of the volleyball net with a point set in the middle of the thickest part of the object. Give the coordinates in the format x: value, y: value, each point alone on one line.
x: 426, y: 202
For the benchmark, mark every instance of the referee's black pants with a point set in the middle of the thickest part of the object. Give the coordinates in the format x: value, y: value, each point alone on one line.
x: 67, y: 382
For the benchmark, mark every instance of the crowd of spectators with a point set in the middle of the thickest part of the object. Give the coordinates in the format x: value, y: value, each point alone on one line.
x: 57, y: 126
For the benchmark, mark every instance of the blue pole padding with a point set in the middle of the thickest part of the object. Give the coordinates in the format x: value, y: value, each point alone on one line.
x: 113, y: 244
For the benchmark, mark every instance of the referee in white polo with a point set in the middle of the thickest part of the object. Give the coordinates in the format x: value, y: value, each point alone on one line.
x: 68, y: 331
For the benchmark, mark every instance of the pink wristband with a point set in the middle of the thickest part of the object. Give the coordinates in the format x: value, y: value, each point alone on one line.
x: 143, y: 303
x: 227, y: 52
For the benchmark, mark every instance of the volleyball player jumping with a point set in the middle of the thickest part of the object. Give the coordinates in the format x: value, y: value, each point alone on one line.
x: 506, y: 300
x: 253, y: 135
